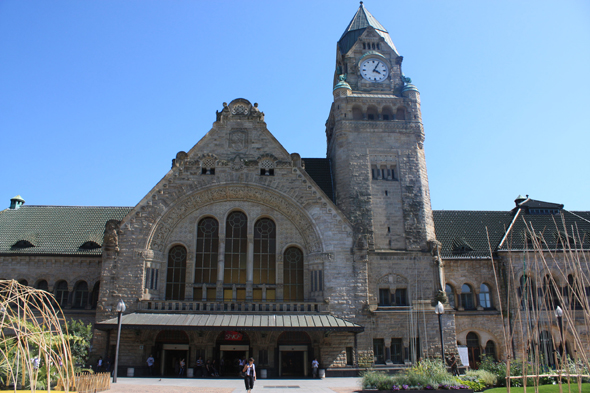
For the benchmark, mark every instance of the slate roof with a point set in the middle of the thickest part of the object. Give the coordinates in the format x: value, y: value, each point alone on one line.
x: 321, y: 322
x: 551, y: 230
x: 357, y: 26
x: 463, y: 233
x: 457, y: 228
x: 55, y: 230
x: 320, y: 171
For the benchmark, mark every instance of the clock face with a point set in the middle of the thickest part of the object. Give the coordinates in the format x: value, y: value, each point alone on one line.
x: 374, y: 70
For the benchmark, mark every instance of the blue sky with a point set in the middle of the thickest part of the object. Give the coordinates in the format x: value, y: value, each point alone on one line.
x: 97, y: 97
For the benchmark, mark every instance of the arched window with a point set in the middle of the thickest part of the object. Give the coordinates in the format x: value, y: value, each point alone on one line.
x: 546, y: 348
x: 490, y: 350
x: 236, y: 249
x: 474, y: 350
x: 450, y: 295
x: 42, y: 285
x: 467, y: 300
x: 23, y: 282
x: 387, y: 113
x: 95, y: 292
x: 357, y: 113
x: 485, y: 300
x: 293, y: 274
x: 400, y: 114
x: 207, y: 251
x: 176, y: 277
x: 551, y: 300
x: 265, y: 252
x: 527, y: 292
x: 573, y: 293
x: 80, y: 298
x: 372, y: 113
x: 62, y: 293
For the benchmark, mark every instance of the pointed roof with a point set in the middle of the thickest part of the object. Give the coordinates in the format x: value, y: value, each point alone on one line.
x: 357, y: 26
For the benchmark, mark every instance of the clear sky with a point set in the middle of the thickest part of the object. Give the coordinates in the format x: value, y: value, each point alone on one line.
x: 97, y: 97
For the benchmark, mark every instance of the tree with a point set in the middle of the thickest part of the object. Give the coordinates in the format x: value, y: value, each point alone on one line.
x: 79, y: 336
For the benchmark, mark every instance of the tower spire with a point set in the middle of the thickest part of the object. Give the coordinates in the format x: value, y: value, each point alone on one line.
x: 357, y: 26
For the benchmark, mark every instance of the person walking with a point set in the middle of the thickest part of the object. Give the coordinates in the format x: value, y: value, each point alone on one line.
x: 182, y: 364
x: 99, y: 365
x: 249, y: 371
x: 200, y: 367
x: 314, y: 367
x: 150, y: 362
x: 454, y: 366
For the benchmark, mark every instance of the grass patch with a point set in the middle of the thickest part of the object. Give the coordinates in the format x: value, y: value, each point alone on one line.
x: 544, y: 389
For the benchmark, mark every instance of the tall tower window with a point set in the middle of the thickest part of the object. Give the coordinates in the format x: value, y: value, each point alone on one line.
x: 175, y: 280
x: 264, y: 252
x: 207, y: 248
x: 236, y: 248
x: 293, y: 275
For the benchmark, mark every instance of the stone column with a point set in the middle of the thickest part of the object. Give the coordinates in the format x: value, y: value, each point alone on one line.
x: 250, y: 267
x: 220, y: 266
x: 387, y: 342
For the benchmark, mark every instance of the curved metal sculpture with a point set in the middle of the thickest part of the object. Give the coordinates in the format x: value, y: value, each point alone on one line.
x: 32, y: 338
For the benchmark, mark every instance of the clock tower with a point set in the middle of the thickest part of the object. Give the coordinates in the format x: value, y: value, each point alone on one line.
x: 375, y: 142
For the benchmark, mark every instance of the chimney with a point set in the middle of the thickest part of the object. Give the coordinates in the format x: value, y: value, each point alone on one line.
x: 16, y: 202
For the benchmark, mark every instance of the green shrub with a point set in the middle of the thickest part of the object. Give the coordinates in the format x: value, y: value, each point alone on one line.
x: 475, y: 385
x: 377, y: 380
x: 483, y: 376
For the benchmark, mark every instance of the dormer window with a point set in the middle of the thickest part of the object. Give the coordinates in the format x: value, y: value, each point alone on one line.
x: 23, y: 244
x: 90, y: 245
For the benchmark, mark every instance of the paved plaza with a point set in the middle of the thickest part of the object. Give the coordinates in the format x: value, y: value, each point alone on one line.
x: 182, y: 385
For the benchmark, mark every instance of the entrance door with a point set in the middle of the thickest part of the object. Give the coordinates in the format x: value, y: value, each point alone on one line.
x: 172, y: 354
x: 231, y: 355
x: 293, y: 360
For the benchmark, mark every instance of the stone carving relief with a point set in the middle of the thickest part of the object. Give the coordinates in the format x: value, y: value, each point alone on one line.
x: 194, y: 201
x: 238, y: 140
x: 111, y: 235
x: 240, y: 108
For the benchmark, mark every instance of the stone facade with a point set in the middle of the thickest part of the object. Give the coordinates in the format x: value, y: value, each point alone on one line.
x: 366, y: 253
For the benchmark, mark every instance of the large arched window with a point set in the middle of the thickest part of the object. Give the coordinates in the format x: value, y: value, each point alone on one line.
x: 207, y: 249
x: 62, y: 293
x: 450, y: 295
x: 80, y: 298
x: 293, y: 274
x: 265, y: 251
x: 176, y: 277
x: 236, y: 249
x: 467, y: 300
x: 485, y: 299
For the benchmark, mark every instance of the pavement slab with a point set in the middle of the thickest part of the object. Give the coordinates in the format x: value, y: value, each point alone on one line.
x: 185, y: 385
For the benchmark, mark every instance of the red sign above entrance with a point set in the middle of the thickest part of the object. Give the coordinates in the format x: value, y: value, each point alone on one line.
x: 233, y: 336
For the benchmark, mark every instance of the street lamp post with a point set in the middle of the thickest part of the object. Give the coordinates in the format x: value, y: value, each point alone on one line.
x: 559, y: 316
x: 120, y: 310
x: 440, y: 310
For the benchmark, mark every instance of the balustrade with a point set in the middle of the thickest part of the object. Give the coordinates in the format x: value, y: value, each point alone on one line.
x: 219, y: 307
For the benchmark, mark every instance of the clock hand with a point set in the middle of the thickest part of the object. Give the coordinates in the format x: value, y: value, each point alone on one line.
x: 377, y: 72
x: 376, y: 67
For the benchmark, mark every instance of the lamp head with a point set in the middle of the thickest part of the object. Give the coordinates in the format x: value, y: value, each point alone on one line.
x: 558, y: 312
x: 121, y: 306
x: 439, y: 309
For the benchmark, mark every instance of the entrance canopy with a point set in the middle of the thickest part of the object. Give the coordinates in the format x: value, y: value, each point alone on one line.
x: 233, y: 321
